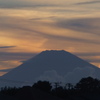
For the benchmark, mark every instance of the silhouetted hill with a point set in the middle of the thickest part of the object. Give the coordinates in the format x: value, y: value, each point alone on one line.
x: 53, y: 66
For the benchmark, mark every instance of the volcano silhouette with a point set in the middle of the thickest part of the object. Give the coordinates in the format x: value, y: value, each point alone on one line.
x: 53, y: 66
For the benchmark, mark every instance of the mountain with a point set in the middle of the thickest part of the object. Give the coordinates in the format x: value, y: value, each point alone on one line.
x: 52, y: 66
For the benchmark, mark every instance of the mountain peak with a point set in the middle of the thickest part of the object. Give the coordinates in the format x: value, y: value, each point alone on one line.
x: 53, y: 51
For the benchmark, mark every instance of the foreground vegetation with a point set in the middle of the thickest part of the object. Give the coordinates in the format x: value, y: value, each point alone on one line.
x: 86, y: 89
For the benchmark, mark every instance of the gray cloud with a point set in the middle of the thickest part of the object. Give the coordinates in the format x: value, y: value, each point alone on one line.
x: 79, y: 73
x: 51, y: 76
x: 67, y: 38
x: 72, y: 77
x: 86, y: 28
x: 8, y: 60
x: 90, y: 2
x: 6, y: 47
x: 92, y: 54
x: 88, y: 54
x: 81, y: 25
x: 49, y: 36
x: 21, y: 4
x: 85, y: 25
x: 62, y: 24
x: 43, y: 18
x: 73, y: 39
x: 93, y: 60
x: 6, y: 56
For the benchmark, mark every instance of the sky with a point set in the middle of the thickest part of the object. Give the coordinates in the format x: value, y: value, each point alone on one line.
x: 28, y: 27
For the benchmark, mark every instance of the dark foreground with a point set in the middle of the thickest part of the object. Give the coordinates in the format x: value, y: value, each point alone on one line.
x: 85, y: 89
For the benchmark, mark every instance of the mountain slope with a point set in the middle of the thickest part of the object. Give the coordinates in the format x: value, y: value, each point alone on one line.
x: 53, y: 66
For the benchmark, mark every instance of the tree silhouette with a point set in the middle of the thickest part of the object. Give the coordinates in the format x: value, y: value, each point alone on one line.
x: 9, y: 90
x: 68, y: 86
x: 43, y: 85
x: 86, y: 89
x: 88, y: 84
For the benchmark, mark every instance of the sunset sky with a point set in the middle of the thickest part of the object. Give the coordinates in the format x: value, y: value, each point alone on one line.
x: 28, y: 27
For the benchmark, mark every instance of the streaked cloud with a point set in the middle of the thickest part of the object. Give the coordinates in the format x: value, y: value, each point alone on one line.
x: 94, y: 60
x: 9, y: 60
x: 29, y: 3
x: 9, y: 56
x: 88, y: 2
x: 88, y: 54
x: 6, y: 47
x: 86, y: 25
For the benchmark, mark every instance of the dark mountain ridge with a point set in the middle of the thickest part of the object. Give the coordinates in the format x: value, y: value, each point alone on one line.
x: 53, y: 66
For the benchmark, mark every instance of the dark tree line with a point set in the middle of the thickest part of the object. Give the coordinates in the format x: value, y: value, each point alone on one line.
x: 85, y: 87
